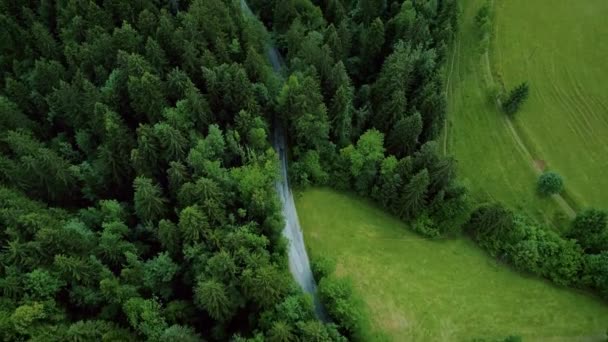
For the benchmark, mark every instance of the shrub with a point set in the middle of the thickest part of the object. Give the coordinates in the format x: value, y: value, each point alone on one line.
x: 550, y: 183
x: 590, y: 229
x: 322, y: 267
x: 424, y: 225
x: 490, y: 226
x: 344, y: 307
x: 308, y: 170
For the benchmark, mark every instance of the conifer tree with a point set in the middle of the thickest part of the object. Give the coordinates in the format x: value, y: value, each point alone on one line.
x: 516, y: 98
x: 413, y: 198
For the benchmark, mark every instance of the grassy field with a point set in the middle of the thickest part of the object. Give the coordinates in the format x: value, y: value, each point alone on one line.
x: 564, y: 125
x: 422, y: 290
x: 490, y: 161
x: 563, y: 54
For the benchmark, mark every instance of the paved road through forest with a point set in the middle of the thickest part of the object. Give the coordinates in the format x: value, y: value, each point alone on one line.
x: 299, y: 264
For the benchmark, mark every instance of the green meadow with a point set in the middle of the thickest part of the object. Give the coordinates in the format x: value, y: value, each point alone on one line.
x: 438, y: 290
x: 563, y: 127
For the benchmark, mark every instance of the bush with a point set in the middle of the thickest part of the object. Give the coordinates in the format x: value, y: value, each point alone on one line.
x: 323, y: 267
x: 344, y: 307
x: 308, y: 170
x: 424, y: 225
x: 550, y: 183
x: 590, y: 229
x: 490, y: 226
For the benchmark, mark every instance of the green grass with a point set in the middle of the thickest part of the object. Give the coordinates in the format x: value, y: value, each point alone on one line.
x: 563, y: 54
x: 559, y: 48
x: 491, y: 163
x: 422, y: 290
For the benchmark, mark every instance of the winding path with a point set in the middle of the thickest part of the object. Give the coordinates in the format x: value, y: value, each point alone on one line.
x: 299, y: 264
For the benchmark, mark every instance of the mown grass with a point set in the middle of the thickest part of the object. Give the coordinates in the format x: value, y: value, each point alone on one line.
x: 563, y: 54
x: 491, y: 163
x: 564, y: 123
x: 442, y: 290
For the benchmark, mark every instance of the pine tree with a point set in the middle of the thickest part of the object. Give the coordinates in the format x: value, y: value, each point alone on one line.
x: 150, y: 205
x: 516, y: 98
x: 370, y: 9
x: 341, y: 111
x: 212, y: 297
x: 373, y: 42
x: 403, y: 137
x: 413, y: 199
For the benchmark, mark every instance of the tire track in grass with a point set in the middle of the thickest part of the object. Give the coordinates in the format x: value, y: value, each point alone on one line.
x: 448, y: 85
x: 566, y: 207
x: 585, y: 97
x: 575, y: 116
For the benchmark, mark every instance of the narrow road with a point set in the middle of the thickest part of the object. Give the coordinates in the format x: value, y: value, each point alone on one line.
x: 299, y: 264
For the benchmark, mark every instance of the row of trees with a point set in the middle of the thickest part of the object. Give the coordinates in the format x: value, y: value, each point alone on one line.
x: 137, y: 180
x: 578, y: 258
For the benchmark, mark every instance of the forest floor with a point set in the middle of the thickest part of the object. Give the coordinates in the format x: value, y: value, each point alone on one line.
x: 499, y: 157
x: 430, y: 290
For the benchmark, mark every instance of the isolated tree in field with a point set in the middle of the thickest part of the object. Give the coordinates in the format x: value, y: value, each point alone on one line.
x: 550, y: 183
x: 516, y: 98
x: 590, y: 229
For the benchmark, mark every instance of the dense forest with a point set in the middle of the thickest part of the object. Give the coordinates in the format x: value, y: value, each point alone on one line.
x: 137, y: 176
x: 138, y: 198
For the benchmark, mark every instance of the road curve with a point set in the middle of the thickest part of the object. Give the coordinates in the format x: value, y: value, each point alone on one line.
x: 299, y: 264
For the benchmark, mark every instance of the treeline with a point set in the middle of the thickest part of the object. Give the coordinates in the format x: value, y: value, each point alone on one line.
x: 365, y: 100
x: 137, y: 180
x: 577, y: 258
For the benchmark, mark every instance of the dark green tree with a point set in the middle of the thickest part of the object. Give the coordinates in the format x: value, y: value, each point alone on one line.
x: 550, y: 183
x: 414, y: 195
x: 150, y: 205
x: 516, y: 98
x: 590, y: 229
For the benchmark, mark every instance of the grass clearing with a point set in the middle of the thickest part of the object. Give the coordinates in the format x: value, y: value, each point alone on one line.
x: 442, y: 290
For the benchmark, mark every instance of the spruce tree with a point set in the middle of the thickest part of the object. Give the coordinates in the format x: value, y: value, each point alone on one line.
x: 413, y: 199
x: 516, y: 98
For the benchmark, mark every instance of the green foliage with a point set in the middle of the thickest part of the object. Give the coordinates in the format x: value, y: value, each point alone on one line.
x: 527, y: 246
x: 308, y: 170
x: 344, y: 307
x: 590, y: 229
x: 424, y: 225
x: 148, y: 200
x: 301, y: 103
x: 323, y: 267
x: 550, y: 183
x: 516, y: 98
x: 143, y: 129
x: 212, y: 297
x: 42, y: 284
x: 484, y: 22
